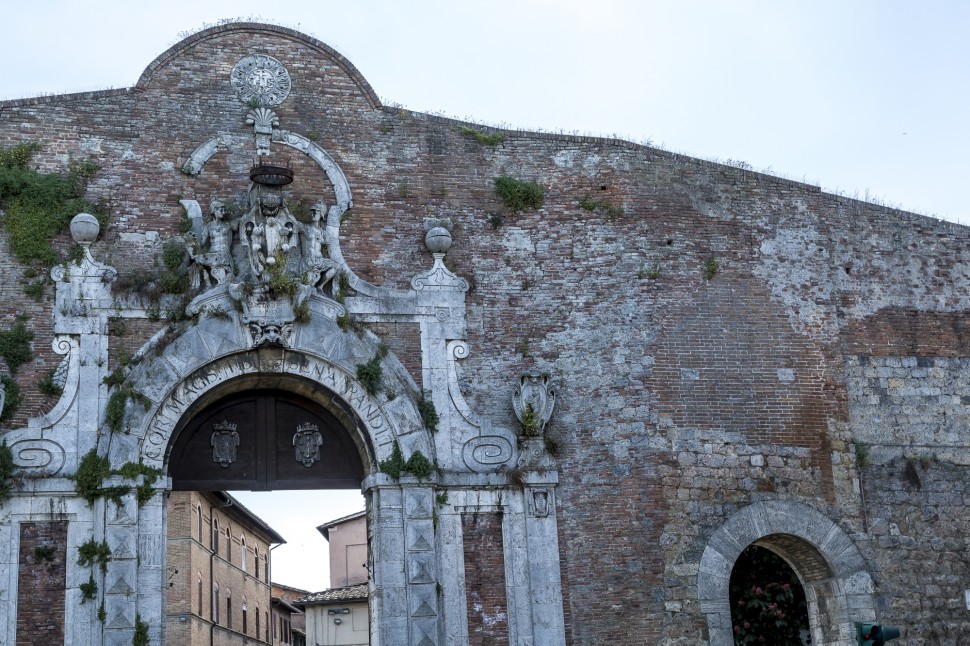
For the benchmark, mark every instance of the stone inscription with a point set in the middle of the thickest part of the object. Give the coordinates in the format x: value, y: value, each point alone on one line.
x: 185, y: 393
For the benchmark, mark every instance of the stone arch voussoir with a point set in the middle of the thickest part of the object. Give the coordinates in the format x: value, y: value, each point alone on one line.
x: 829, y: 564
x: 216, y: 352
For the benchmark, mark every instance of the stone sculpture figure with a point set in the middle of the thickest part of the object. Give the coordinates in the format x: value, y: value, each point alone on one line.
x: 318, y: 268
x: 213, y: 251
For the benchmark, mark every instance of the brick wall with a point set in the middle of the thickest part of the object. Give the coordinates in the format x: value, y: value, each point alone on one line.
x: 488, y: 616
x: 41, y: 583
x: 681, y: 397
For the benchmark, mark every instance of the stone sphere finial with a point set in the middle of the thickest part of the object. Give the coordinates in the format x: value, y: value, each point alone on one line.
x: 438, y: 240
x: 85, y: 228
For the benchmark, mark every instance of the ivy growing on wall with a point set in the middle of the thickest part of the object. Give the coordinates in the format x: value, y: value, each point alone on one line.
x: 40, y: 205
x: 94, y: 469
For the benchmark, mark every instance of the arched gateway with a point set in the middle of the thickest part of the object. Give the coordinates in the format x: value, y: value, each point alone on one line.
x: 274, y: 337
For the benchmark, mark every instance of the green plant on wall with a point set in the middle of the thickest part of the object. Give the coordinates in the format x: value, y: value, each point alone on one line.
x: 417, y: 465
x: 711, y: 268
x: 140, y: 637
x: 369, y: 374
x: 531, y: 426
x: 6, y: 472
x: 13, y: 398
x: 91, y: 553
x: 40, y: 205
x: 94, y: 469
x: 493, y: 139
x: 44, y: 554
x: 429, y: 414
x: 395, y: 463
x: 518, y: 195
x: 587, y: 203
x: 89, y: 590
x: 48, y: 386
x: 15, y: 346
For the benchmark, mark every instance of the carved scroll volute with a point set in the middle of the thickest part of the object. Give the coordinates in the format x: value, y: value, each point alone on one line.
x: 533, y: 401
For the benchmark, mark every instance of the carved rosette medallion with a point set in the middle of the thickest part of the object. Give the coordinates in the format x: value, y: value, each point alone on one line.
x: 224, y: 441
x: 306, y: 442
x: 261, y: 79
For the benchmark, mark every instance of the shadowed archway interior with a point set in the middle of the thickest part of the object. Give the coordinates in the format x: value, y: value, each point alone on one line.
x: 262, y: 440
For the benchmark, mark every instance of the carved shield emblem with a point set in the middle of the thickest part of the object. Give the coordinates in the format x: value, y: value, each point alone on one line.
x: 224, y: 441
x: 307, y: 441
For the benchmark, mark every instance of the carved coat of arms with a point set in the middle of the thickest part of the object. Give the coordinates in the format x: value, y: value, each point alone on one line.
x: 307, y: 441
x: 533, y: 402
x: 224, y: 441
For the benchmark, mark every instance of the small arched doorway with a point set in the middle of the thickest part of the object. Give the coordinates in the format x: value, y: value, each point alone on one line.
x: 831, y: 569
x: 768, y: 603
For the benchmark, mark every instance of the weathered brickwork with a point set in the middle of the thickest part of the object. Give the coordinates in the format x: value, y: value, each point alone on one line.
x: 488, y: 621
x: 718, y: 338
x: 41, y: 583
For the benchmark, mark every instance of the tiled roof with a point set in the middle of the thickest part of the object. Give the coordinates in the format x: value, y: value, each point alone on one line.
x: 335, y: 595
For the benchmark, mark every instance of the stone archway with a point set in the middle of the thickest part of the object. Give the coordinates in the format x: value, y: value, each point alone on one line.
x: 215, y: 358
x: 832, y: 570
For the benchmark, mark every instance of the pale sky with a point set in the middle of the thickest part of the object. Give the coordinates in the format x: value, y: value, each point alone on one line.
x: 866, y: 97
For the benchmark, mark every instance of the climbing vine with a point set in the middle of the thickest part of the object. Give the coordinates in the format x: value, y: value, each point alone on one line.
x: 94, y: 469
x: 38, y: 206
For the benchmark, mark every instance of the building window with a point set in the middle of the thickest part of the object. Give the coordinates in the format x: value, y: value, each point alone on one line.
x: 198, y: 513
x: 245, y: 610
x: 242, y: 549
x: 215, y: 602
x: 257, y: 622
x: 256, y: 561
x: 215, y: 535
x: 228, y: 545
x: 200, y: 593
x: 229, y: 609
x: 267, y: 624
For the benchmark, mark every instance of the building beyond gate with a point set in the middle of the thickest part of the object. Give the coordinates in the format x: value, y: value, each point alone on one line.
x: 574, y: 377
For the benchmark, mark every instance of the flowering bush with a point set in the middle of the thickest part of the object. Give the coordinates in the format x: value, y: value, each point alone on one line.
x: 767, y: 601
